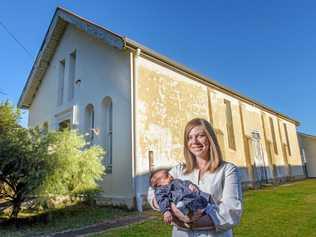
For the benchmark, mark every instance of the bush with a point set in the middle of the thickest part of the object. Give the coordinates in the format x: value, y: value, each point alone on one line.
x: 74, y: 167
x: 23, y: 160
x: 36, y: 164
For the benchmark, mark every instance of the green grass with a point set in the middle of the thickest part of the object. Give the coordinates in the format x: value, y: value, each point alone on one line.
x: 285, y: 211
x: 61, y: 219
x: 153, y: 228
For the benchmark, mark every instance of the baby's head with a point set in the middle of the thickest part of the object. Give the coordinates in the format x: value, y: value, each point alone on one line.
x: 160, y: 177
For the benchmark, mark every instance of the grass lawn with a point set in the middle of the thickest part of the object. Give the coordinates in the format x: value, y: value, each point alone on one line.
x: 61, y: 219
x: 288, y: 210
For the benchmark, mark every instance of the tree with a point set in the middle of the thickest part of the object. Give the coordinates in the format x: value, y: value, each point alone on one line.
x: 23, y: 159
x: 34, y: 163
x: 74, y: 166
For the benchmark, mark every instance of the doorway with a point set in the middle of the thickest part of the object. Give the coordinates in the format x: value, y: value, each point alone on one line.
x: 260, y: 167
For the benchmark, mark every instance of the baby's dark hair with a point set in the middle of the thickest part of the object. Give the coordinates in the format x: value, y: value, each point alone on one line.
x: 152, y: 174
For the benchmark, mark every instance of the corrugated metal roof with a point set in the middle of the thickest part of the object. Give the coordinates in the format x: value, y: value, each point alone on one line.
x: 306, y: 135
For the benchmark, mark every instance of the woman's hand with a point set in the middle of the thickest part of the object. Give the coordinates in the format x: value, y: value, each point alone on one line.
x: 198, y: 220
x: 197, y: 215
x: 203, y: 222
x: 167, y: 217
x: 179, y: 215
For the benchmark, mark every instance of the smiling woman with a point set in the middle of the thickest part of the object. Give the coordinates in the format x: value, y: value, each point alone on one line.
x: 218, y: 179
x: 198, y: 143
x: 201, y: 148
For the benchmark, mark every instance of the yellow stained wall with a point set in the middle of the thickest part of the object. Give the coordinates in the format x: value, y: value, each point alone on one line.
x: 295, y: 158
x: 166, y: 100
x: 219, y: 123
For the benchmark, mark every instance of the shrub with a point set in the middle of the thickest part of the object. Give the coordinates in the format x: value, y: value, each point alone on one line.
x: 35, y: 164
x: 74, y: 167
x: 23, y: 160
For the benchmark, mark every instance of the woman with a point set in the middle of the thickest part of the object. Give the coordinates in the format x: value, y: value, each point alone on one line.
x: 205, y: 167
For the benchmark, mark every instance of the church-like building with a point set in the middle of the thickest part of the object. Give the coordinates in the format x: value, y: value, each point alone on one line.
x: 91, y: 79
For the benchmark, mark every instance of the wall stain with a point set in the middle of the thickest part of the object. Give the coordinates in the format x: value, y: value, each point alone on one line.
x: 166, y: 101
x: 164, y: 106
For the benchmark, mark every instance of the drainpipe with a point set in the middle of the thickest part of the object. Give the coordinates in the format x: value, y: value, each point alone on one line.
x: 136, y: 181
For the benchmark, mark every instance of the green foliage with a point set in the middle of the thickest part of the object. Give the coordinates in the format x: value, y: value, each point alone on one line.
x: 74, y: 167
x: 35, y: 163
x: 9, y: 117
x: 23, y: 155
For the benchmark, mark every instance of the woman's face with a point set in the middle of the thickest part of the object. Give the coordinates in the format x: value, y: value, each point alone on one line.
x: 198, y: 143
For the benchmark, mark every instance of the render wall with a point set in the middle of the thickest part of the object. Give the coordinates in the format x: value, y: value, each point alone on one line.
x: 308, y: 146
x: 166, y: 100
x: 101, y: 71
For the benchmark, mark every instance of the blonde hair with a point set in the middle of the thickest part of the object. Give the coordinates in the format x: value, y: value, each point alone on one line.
x: 215, y: 159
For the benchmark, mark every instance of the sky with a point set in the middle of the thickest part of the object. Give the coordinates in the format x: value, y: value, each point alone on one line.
x: 265, y: 50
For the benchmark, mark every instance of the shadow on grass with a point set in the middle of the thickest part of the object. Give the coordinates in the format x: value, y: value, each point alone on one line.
x: 30, y: 217
x: 31, y: 223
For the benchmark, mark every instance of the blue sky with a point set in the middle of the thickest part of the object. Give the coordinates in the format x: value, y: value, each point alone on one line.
x: 264, y: 49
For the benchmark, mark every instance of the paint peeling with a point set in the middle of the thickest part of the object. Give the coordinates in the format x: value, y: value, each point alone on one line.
x: 166, y: 101
x: 164, y: 105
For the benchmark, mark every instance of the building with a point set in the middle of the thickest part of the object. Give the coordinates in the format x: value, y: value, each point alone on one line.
x: 88, y: 77
x: 308, y: 152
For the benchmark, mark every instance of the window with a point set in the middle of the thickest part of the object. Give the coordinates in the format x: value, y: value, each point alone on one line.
x: 273, y: 136
x: 287, y: 138
x: 89, y: 122
x: 229, y: 125
x: 64, y: 125
x: 72, y: 74
x: 61, y: 78
x: 107, y: 131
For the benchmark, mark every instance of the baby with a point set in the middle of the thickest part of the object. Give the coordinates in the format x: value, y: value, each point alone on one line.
x: 183, y: 193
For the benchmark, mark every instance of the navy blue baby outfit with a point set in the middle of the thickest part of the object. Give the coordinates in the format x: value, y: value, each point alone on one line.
x: 179, y: 193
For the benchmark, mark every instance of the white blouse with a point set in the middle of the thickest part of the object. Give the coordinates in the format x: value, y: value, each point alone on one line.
x: 225, y: 208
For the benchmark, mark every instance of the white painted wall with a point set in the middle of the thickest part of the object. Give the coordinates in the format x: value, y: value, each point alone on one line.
x: 103, y: 71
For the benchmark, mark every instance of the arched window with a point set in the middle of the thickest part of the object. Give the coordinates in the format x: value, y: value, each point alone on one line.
x: 89, y: 122
x: 107, y: 131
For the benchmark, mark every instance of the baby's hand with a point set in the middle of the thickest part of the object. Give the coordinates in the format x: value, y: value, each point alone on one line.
x: 167, y: 217
x: 193, y: 188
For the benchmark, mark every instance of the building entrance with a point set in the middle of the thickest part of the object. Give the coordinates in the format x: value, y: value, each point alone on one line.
x: 260, y: 166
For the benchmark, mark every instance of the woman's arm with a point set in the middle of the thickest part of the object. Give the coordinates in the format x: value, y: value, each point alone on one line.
x: 179, y: 215
x: 226, y: 213
x: 204, y: 222
x: 198, y: 221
